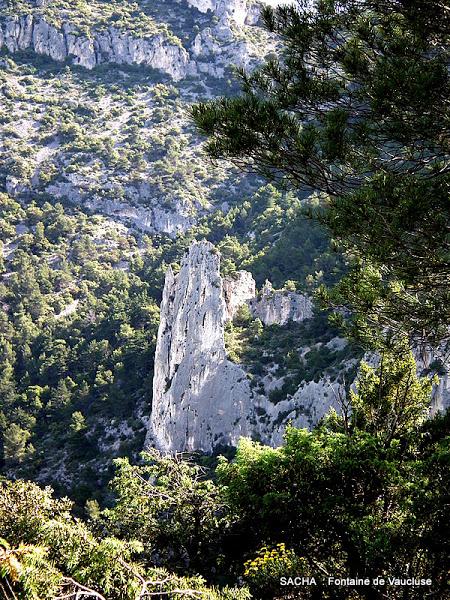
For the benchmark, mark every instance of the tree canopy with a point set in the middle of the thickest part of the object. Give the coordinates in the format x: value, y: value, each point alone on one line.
x: 365, y: 493
x: 356, y: 106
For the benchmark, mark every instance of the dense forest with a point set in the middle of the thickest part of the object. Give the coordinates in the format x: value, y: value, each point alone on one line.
x: 344, y: 131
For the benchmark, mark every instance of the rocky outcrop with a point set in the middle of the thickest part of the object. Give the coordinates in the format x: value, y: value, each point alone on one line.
x: 33, y: 32
x: 436, y: 361
x: 279, y: 307
x: 238, y: 289
x: 239, y: 12
x: 270, y: 306
x: 214, y: 50
x: 200, y: 399
x: 154, y: 219
x: 310, y: 403
x: 217, y: 46
x: 229, y: 10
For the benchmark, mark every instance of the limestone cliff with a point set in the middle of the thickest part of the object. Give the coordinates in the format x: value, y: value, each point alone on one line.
x: 238, y: 289
x: 280, y: 306
x: 136, y: 158
x: 200, y: 399
x: 222, y: 40
x: 436, y: 360
x: 234, y: 10
x: 33, y: 32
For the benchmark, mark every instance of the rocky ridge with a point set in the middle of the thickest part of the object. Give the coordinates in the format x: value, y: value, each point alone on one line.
x: 30, y: 32
x: 237, y: 10
x: 238, y: 289
x: 218, y: 45
x: 135, y: 158
x: 278, y: 308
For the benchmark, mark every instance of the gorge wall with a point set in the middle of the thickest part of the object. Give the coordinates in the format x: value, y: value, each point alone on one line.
x: 114, y: 136
x: 33, y: 32
x: 219, y: 43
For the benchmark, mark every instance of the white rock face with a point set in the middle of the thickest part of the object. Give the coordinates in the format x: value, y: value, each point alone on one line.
x: 33, y: 32
x: 203, y: 5
x: 234, y: 10
x: 425, y: 358
x: 152, y: 219
x: 280, y: 307
x: 216, y: 47
x: 200, y: 399
x: 441, y: 395
x: 429, y: 361
x: 310, y: 403
x: 238, y: 289
x: 240, y: 12
x: 14, y: 186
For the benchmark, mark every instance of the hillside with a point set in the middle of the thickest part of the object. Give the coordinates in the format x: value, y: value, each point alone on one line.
x: 224, y: 346
x: 105, y: 183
